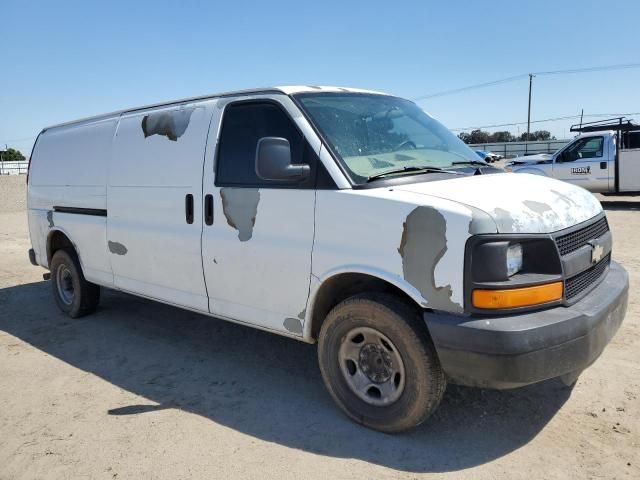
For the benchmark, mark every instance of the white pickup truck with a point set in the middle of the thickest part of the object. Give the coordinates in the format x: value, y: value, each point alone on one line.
x: 605, y: 158
x: 339, y: 216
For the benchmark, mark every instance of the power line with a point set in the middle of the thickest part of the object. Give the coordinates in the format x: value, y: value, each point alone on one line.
x: 554, y: 119
x: 525, y: 75
x: 590, y: 69
x: 471, y: 87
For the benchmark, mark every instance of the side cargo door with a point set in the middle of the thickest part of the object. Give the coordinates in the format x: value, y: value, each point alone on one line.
x: 154, y: 204
x: 258, y: 239
x: 587, y: 162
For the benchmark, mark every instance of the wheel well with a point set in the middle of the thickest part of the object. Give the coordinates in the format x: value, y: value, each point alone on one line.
x: 342, y: 286
x: 56, y: 241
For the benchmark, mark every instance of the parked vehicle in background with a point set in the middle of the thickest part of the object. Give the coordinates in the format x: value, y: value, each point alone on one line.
x: 488, y: 156
x: 339, y: 216
x: 605, y: 158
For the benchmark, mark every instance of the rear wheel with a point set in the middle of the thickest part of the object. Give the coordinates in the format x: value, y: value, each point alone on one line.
x: 379, y: 364
x: 74, y: 295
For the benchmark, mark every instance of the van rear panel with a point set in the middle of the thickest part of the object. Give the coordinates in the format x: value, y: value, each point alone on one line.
x: 69, y: 167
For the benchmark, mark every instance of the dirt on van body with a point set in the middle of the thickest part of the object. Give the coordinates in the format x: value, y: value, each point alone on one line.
x: 144, y: 390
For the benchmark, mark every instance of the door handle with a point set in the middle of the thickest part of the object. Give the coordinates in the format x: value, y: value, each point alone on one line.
x: 208, y: 209
x: 188, y: 208
x: 603, y: 165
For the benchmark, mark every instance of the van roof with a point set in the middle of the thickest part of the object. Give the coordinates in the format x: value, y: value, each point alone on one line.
x: 286, y: 89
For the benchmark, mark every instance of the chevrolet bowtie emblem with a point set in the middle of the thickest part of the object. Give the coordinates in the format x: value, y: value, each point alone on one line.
x: 596, y: 253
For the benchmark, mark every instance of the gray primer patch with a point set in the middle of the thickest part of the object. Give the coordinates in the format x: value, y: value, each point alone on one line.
x: 423, y: 244
x: 504, y: 220
x: 302, y: 314
x: 169, y: 124
x: 240, y: 208
x: 568, y: 200
x: 481, y: 222
x: 50, y: 219
x: 537, y: 207
x: 117, y: 248
x: 293, y: 325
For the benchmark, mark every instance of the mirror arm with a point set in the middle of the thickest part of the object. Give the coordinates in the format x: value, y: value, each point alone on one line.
x: 298, y: 171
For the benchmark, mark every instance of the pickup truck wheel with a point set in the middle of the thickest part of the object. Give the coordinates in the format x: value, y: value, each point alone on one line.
x: 379, y: 364
x: 74, y: 295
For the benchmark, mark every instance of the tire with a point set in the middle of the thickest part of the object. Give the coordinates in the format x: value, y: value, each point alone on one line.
x: 394, y: 342
x: 74, y: 295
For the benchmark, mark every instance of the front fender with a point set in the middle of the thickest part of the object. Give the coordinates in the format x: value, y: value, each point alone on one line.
x: 388, y: 277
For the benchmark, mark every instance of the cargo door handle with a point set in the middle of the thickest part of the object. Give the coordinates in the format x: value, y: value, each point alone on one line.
x: 188, y: 208
x: 208, y: 209
x: 603, y: 165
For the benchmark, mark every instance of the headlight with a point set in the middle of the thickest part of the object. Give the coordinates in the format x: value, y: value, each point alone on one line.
x: 514, y: 259
x: 512, y: 272
x: 497, y: 261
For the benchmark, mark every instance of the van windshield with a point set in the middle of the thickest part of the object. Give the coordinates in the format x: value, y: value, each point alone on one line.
x: 372, y: 134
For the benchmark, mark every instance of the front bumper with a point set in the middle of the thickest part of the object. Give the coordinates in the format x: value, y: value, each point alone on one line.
x: 515, y: 350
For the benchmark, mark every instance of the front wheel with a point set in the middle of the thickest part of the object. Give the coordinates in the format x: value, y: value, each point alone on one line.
x: 379, y: 364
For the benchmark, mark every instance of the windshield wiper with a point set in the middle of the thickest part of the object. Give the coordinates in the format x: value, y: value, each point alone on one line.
x: 407, y: 170
x: 471, y: 162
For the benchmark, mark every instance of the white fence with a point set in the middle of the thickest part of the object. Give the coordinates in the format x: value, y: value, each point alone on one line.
x: 14, y: 168
x: 517, y: 149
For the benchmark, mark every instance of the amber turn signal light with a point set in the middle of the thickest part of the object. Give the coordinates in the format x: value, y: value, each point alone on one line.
x: 517, y: 297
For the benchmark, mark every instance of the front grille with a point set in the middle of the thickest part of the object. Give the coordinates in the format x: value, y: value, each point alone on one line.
x: 578, y: 283
x: 570, y: 242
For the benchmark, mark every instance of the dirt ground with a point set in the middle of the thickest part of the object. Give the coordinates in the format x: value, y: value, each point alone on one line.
x: 144, y: 390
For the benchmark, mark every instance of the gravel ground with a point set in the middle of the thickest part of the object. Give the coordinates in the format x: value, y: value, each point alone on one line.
x: 144, y: 390
x: 12, y: 193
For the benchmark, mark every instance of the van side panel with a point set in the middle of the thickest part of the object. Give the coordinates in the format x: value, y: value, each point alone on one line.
x: 157, y: 161
x: 69, y: 170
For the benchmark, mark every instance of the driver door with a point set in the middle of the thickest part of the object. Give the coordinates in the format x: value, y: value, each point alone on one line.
x: 258, y: 237
x: 585, y: 162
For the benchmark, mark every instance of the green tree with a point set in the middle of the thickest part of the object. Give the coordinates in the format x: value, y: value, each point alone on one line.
x: 479, y: 136
x: 504, y: 136
x: 12, y: 155
x: 465, y: 137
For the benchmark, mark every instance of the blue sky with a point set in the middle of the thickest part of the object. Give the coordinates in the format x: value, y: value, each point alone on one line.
x: 68, y: 59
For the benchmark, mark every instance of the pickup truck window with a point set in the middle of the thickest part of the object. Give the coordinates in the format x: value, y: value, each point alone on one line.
x: 243, y: 124
x: 584, y: 148
x: 371, y: 134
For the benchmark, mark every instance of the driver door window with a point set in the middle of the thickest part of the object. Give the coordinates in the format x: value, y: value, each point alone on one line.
x: 584, y: 149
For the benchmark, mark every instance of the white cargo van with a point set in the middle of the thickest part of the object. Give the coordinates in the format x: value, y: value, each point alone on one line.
x: 335, y: 215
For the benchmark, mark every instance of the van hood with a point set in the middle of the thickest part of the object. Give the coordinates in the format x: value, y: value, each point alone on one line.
x: 517, y: 202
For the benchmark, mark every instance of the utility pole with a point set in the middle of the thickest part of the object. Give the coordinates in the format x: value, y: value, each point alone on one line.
x: 526, y: 145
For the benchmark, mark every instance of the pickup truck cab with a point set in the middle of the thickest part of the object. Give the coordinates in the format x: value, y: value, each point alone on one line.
x: 339, y: 216
x: 600, y: 160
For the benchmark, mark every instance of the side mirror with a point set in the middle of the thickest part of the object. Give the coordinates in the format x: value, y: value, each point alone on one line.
x: 273, y: 161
